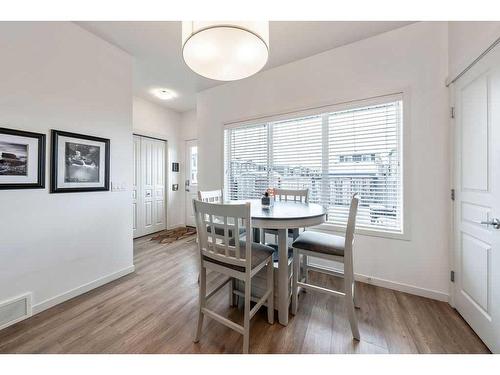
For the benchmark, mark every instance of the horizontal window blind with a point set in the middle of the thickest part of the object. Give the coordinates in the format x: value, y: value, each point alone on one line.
x: 334, y: 155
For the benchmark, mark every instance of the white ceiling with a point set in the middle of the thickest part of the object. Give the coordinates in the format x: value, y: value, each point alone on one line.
x: 156, y: 47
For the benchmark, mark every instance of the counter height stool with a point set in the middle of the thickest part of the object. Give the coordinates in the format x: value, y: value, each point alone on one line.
x: 232, y: 257
x: 215, y: 196
x: 330, y: 247
x: 296, y: 195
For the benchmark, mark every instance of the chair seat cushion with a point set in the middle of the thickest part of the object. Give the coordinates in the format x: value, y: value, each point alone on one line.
x: 260, y: 253
x: 276, y: 252
x: 275, y: 231
x: 321, y: 243
x: 220, y: 230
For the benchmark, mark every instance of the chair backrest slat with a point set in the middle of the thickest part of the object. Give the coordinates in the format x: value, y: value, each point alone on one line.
x: 298, y: 195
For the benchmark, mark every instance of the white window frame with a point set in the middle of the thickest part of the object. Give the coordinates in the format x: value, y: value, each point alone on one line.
x: 405, y: 167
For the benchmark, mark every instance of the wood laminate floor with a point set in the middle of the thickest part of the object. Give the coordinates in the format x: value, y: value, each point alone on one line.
x: 153, y: 310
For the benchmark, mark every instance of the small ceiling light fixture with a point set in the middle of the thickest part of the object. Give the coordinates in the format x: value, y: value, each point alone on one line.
x: 164, y: 94
x: 225, y: 51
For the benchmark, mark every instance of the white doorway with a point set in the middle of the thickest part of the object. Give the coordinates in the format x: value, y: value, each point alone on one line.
x: 148, y: 194
x: 191, y: 183
x: 477, y: 198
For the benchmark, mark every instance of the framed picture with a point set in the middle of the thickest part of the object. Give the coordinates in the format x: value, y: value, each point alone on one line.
x: 79, y: 163
x: 175, y: 167
x: 22, y: 159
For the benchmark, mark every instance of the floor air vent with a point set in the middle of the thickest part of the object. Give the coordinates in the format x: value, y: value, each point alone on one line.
x: 15, y: 310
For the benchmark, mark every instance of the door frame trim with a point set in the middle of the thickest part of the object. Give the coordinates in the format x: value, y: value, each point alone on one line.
x: 185, y: 141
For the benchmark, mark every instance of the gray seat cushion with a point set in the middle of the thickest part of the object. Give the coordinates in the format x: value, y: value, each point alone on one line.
x: 321, y: 243
x: 259, y: 255
x: 275, y: 232
x: 220, y: 230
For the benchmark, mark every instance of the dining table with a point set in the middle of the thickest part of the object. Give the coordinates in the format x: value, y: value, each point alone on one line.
x: 282, y: 216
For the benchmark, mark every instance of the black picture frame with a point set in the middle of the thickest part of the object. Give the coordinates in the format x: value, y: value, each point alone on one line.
x: 175, y: 167
x: 40, y: 183
x: 55, y: 134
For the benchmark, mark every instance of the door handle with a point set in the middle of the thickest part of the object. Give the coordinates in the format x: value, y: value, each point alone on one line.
x: 148, y: 194
x: 495, y: 223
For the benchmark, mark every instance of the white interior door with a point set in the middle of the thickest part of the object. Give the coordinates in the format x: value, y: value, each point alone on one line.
x: 149, y: 186
x: 477, y: 205
x: 191, y: 183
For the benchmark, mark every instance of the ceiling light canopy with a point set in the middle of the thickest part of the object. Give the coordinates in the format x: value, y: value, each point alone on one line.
x: 164, y: 94
x: 225, y: 51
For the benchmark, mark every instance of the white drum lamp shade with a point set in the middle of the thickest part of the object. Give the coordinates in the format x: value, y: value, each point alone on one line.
x: 225, y: 51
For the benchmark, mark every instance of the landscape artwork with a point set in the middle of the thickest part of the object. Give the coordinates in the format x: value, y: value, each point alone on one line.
x: 13, y: 159
x: 82, y: 162
x: 22, y: 159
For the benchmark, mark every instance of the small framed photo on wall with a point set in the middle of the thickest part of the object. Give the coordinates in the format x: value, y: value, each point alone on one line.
x: 80, y: 163
x: 22, y: 159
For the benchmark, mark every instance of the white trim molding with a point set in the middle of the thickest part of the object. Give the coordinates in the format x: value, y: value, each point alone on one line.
x: 401, y: 287
x: 48, y: 303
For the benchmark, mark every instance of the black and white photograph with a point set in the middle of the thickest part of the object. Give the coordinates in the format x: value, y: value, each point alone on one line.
x: 82, y: 162
x: 13, y: 159
x: 22, y: 159
x: 79, y: 163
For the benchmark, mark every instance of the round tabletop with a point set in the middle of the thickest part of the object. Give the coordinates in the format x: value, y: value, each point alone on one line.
x: 285, y: 214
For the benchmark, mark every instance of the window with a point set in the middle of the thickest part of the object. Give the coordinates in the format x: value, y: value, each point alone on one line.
x: 334, y: 154
x: 193, y: 161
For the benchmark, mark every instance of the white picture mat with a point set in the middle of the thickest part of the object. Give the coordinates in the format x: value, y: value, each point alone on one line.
x: 61, y: 162
x: 32, y: 160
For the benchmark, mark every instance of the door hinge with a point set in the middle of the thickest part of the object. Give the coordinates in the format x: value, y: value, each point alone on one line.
x: 452, y: 194
x: 452, y: 276
x: 452, y: 112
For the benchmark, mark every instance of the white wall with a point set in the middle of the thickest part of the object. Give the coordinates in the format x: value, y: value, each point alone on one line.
x: 414, y: 59
x: 467, y: 40
x: 189, y: 128
x: 156, y: 121
x: 55, y: 75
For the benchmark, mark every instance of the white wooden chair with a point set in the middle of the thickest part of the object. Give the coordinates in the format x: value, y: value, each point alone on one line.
x: 212, y: 196
x: 292, y: 195
x: 216, y: 196
x: 232, y: 257
x: 330, y: 247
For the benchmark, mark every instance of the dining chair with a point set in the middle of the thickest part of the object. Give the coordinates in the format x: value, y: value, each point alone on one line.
x: 295, y: 195
x: 233, y: 257
x: 212, y: 196
x: 216, y: 196
x: 330, y: 247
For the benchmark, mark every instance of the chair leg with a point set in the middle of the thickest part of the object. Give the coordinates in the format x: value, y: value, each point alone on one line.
x: 355, y: 295
x: 349, y: 304
x: 232, y: 300
x: 202, y: 302
x: 306, y: 270
x: 246, y: 318
x: 295, y: 277
x: 270, y: 286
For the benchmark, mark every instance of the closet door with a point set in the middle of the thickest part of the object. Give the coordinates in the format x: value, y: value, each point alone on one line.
x: 149, y: 187
x: 159, y: 222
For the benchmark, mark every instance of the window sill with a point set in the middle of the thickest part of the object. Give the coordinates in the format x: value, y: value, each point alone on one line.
x: 331, y: 228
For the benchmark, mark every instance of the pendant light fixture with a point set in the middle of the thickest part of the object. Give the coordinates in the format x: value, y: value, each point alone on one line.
x: 225, y: 51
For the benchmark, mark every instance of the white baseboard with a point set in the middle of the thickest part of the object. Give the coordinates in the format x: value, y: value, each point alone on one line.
x: 402, y: 287
x: 48, y: 303
x: 411, y: 289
